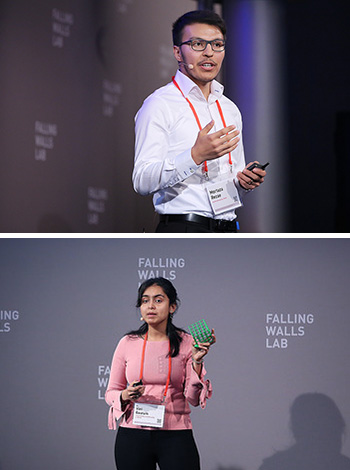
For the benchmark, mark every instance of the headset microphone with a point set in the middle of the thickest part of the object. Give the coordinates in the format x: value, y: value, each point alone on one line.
x: 190, y: 66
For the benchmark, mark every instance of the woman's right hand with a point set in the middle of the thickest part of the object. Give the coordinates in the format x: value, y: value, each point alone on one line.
x: 132, y: 393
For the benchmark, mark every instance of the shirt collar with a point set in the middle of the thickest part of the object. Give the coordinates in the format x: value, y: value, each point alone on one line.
x: 188, y: 87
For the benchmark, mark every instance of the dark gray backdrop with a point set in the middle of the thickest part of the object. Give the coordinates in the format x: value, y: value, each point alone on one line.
x: 73, y: 74
x: 69, y: 301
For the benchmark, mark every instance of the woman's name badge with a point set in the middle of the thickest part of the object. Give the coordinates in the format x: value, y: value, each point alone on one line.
x: 149, y: 415
x: 223, y: 196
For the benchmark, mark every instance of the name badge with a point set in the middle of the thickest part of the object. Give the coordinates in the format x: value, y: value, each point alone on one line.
x: 223, y: 196
x: 149, y: 415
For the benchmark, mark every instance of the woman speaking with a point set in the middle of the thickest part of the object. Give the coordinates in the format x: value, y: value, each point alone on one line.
x: 156, y: 373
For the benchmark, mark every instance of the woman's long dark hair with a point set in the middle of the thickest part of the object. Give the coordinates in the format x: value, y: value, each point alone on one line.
x: 172, y: 331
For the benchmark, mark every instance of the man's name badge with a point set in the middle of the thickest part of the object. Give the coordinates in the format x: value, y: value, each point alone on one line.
x: 223, y: 196
x: 148, y: 415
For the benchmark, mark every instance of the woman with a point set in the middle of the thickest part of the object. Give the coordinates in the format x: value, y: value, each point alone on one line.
x: 156, y: 372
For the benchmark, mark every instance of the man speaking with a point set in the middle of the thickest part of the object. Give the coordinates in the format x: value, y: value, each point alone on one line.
x: 188, y: 137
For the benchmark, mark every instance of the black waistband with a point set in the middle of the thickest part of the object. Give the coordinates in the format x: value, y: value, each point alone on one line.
x: 207, y: 222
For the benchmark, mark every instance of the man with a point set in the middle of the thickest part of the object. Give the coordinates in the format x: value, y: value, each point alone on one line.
x: 188, y: 148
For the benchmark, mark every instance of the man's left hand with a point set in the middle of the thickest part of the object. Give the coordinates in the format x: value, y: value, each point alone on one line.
x: 251, y: 179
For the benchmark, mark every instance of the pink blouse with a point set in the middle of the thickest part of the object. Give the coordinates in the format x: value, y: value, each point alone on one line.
x: 185, y: 385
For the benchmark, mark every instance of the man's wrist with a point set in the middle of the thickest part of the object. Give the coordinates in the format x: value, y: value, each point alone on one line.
x: 195, y: 157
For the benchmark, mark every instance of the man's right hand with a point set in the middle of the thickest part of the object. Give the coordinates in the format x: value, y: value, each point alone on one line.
x: 215, y: 145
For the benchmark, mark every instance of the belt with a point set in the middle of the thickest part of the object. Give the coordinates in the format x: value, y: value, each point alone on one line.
x: 207, y: 222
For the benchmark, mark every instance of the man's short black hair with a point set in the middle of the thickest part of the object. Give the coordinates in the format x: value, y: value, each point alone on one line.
x: 196, y: 16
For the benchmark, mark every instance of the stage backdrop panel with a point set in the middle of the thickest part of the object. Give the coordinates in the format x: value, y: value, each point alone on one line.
x: 280, y: 312
x: 73, y: 76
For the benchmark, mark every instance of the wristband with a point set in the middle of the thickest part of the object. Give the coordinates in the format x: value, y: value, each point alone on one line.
x: 197, y: 362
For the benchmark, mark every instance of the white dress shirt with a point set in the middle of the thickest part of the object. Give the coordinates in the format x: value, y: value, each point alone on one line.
x: 165, y: 132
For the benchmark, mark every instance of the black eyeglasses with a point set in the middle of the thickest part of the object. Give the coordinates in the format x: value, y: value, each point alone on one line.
x: 197, y: 44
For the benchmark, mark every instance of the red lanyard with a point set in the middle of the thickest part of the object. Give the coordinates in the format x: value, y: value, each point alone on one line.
x: 199, y: 123
x: 143, y: 361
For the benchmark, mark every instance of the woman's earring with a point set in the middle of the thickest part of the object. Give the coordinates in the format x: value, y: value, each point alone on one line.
x: 141, y: 319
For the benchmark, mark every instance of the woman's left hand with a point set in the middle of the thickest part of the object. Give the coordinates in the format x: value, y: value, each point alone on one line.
x: 202, y: 349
